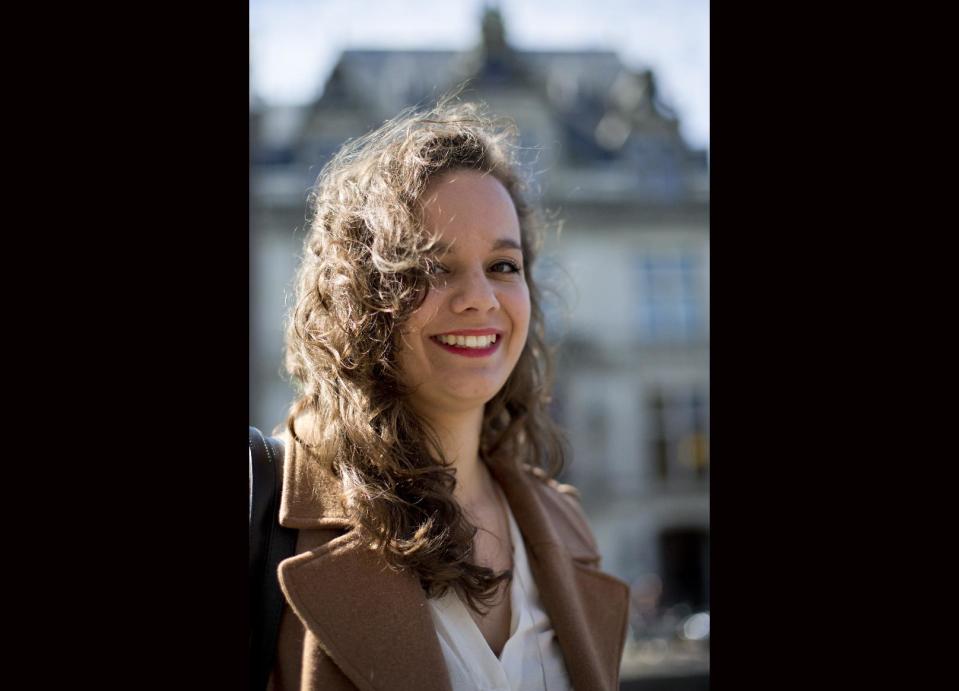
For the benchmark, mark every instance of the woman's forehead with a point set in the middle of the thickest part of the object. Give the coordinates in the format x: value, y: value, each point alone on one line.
x: 470, y: 205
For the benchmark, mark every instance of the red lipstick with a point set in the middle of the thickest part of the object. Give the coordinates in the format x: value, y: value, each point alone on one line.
x: 470, y: 352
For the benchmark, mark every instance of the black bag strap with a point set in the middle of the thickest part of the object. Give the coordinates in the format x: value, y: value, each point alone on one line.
x: 270, y: 543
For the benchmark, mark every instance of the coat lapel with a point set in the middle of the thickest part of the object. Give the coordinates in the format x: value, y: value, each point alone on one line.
x: 373, y: 622
x: 587, y: 608
x: 376, y: 624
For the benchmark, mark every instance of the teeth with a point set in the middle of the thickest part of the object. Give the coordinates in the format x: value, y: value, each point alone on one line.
x: 468, y: 341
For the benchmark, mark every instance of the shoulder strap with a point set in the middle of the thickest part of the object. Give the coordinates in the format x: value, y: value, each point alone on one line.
x: 270, y: 543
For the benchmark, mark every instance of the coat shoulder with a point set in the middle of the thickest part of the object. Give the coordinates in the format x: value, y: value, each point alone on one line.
x: 562, y: 501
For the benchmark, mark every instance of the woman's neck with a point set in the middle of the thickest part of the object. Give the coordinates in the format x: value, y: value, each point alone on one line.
x: 459, y: 437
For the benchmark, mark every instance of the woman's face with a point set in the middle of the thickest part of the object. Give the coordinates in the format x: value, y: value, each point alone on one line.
x: 479, y: 290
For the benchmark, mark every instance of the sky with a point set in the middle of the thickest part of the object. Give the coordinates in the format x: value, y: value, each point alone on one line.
x: 295, y: 43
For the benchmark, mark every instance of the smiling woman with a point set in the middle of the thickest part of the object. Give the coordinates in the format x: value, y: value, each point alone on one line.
x: 435, y: 549
x: 479, y: 292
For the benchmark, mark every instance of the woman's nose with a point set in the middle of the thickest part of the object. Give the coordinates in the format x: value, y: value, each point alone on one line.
x: 474, y: 292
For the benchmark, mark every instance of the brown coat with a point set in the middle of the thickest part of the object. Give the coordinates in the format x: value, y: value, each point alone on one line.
x: 351, y: 623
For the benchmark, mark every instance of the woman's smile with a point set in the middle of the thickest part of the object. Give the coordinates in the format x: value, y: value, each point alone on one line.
x: 468, y: 346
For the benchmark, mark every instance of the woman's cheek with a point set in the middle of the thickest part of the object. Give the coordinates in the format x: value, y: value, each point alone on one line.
x: 523, y: 313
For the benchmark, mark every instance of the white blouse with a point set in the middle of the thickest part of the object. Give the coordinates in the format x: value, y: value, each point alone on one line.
x: 531, y: 660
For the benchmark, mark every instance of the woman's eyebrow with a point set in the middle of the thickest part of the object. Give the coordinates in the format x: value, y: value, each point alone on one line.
x: 502, y: 243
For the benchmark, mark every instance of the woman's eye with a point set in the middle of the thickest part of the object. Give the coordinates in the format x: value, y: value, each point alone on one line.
x: 437, y: 268
x: 511, y: 268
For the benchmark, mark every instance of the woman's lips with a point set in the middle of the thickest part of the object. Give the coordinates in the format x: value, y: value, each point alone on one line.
x: 470, y: 352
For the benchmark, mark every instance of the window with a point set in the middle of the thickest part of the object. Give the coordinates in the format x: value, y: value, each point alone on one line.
x: 672, y: 297
x: 678, y: 437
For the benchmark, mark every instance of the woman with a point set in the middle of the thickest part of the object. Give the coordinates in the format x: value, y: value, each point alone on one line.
x: 435, y: 550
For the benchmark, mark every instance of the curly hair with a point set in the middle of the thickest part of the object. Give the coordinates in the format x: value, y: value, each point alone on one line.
x: 366, y: 267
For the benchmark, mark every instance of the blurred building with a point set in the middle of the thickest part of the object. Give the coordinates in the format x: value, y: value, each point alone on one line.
x: 633, y: 387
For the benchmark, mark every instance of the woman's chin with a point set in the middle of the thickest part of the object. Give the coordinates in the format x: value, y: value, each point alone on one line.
x: 463, y: 399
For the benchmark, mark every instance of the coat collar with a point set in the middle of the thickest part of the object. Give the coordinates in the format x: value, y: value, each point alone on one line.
x: 376, y: 623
